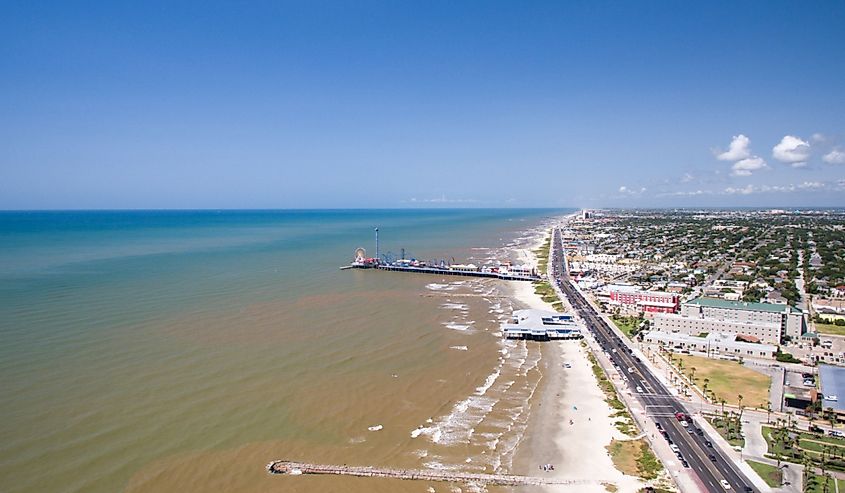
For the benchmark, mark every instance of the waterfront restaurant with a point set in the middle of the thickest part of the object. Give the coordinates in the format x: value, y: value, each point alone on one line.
x: 541, y: 325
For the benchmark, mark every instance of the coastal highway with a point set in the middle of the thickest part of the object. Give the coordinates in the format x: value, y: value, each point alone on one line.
x: 708, y: 462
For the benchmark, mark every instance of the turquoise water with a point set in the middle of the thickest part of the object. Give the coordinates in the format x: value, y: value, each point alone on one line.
x: 134, y: 337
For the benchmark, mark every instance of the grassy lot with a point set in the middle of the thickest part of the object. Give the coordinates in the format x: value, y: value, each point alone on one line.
x: 546, y: 291
x: 830, y: 329
x: 722, y: 426
x: 817, y: 482
x: 635, y: 458
x: 810, y: 444
x: 770, y: 474
x: 625, y: 328
x: 728, y: 379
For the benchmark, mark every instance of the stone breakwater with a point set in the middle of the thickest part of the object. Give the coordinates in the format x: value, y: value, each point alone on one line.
x: 299, y: 468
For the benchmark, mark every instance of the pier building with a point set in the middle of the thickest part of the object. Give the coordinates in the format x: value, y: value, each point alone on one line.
x: 541, y: 325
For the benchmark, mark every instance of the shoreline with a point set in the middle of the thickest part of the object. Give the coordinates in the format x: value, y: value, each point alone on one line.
x: 576, y: 450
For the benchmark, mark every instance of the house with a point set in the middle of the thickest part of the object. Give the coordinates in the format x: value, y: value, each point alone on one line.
x: 775, y: 297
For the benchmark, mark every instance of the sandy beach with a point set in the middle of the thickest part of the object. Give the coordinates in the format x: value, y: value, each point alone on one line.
x: 569, y: 424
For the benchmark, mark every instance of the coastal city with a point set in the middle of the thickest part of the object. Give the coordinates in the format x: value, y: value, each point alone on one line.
x: 422, y: 247
x: 740, y: 315
x: 718, y: 336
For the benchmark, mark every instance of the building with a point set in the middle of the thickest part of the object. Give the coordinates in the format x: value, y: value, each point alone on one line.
x: 832, y: 384
x: 768, y: 322
x: 541, y: 325
x: 829, y: 310
x: 714, y: 345
x: 645, y: 301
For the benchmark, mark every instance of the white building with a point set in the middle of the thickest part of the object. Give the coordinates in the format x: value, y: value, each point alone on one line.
x: 541, y: 325
x: 768, y: 322
x: 714, y: 345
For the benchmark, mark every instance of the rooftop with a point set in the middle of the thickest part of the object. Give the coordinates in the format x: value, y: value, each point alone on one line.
x: 832, y: 380
x: 739, y: 305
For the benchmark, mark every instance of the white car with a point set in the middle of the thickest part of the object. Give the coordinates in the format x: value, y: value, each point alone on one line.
x: 725, y: 484
x: 630, y: 370
x: 674, y: 448
x: 684, y: 424
x: 639, y: 389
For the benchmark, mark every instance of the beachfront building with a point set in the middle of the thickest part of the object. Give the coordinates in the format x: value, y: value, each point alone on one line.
x: 541, y: 325
x: 632, y: 298
x: 713, y: 345
x: 767, y: 322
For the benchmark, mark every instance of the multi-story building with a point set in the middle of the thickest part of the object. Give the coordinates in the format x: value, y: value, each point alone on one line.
x: 767, y: 322
x: 714, y: 345
x: 646, y: 301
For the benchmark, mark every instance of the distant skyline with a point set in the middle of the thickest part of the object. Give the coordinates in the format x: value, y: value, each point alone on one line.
x: 421, y: 104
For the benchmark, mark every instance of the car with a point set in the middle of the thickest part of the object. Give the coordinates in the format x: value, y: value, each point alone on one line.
x: 684, y: 424
x: 699, y: 432
x: 708, y: 443
x: 665, y: 434
x: 639, y: 389
x: 747, y: 489
x: 659, y: 426
x: 680, y: 416
x: 712, y: 458
x: 684, y: 463
x: 674, y: 448
x: 725, y: 484
x: 630, y: 370
x: 836, y: 433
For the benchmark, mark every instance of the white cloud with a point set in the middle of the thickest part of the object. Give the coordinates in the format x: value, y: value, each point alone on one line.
x: 746, y: 190
x: 748, y: 165
x: 801, y: 187
x: 688, y: 177
x: 693, y: 193
x: 737, y: 150
x: 834, y: 157
x: 629, y: 192
x: 817, y: 137
x: 792, y: 150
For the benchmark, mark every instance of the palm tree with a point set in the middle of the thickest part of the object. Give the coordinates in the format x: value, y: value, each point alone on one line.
x: 706, y: 382
x: 692, y: 373
x: 768, y: 412
x: 722, y: 401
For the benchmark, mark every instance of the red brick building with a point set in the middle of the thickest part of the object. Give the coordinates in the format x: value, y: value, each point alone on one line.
x: 647, y: 301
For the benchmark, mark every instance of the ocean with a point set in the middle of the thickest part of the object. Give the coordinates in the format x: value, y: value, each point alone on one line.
x: 183, y: 350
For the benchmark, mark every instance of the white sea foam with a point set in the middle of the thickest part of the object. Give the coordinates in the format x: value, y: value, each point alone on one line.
x: 454, y: 326
x: 454, y: 306
x: 439, y: 287
x: 491, y: 379
x: 459, y: 348
x: 375, y: 428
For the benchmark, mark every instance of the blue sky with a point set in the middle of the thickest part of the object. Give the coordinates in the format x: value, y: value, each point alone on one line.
x: 413, y: 104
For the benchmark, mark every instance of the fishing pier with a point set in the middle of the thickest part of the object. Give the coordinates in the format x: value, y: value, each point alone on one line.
x: 290, y: 468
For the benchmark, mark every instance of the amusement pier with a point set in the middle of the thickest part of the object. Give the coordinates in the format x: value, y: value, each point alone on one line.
x: 500, y: 270
x: 298, y: 468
